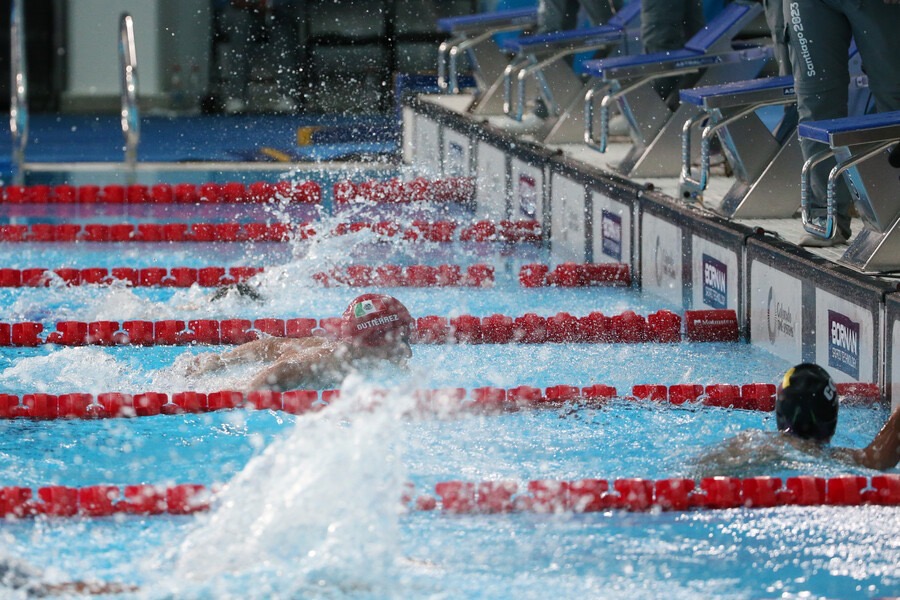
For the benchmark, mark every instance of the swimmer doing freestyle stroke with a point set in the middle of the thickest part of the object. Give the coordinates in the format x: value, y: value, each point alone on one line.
x: 806, y: 413
x: 21, y: 577
x: 375, y: 328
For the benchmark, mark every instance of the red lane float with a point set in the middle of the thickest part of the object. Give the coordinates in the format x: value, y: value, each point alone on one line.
x: 571, y: 274
x: 418, y: 230
x: 395, y: 191
x: 628, y: 327
x: 104, y: 500
x: 545, y: 496
x: 477, y: 275
x: 641, y: 495
x: 305, y: 192
x: 486, y: 400
x: 135, y: 277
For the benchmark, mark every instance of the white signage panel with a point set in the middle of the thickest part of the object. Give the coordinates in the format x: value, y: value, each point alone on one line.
x: 776, y: 312
x: 567, y: 227
x: 490, y: 183
x: 661, y: 258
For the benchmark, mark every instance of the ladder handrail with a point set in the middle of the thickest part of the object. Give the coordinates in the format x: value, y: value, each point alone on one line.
x: 18, y: 102
x: 131, y: 118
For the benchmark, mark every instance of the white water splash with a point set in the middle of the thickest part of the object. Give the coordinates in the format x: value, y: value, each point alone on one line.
x: 81, y: 369
x: 317, y: 510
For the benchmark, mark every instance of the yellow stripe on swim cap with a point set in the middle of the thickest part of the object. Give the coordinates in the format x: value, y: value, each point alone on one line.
x: 787, y: 378
x: 305, y: 135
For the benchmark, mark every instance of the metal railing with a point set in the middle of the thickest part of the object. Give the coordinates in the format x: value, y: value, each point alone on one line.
x: 18, y: 102
x: 131, y: 118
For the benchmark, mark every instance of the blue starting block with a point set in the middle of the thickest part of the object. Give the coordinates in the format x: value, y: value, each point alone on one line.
x: 765, y: 163
x: 763, y: 166
x: 713, y: 54
x: 540, y: 59
x: 862, y: 147
x: 472, y: 36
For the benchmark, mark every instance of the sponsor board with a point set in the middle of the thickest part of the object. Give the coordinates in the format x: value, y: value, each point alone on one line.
x: 715, y: 275
x: 527, y: 191
x: 409, y: 126
x: 490, y: 185
x: 845, y: 340
x: 776, y: 312
x: 567, y: 228
x: 426, y: 149
x: 611, y: 229
x: 661, y: 258
x: 456, y: 154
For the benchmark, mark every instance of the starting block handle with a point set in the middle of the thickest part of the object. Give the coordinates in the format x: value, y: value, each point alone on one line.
x: 705, y: 141
x: 838, y: 170
x: 827, y: 231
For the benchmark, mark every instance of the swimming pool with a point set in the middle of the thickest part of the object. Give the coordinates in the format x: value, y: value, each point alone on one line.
x: 309, y: 507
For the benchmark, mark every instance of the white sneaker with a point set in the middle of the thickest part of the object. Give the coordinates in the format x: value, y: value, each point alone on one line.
x: 283, y: 104
x: 234, y: 106
x: 618, y: 125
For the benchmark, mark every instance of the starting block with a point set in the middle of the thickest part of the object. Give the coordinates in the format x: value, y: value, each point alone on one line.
x: 472, y: 36
x: 713, y: 53
x: 765, y: 163
x: 541, y: 58
x: 862, y: 147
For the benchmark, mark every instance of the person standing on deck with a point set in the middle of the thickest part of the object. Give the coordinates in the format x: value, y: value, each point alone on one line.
x: 819, y: 33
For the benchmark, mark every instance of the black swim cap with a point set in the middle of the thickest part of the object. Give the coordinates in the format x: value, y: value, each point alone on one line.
x: 807, y: 403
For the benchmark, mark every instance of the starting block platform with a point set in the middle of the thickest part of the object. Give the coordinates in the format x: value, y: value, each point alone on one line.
x: 541, y: 60
x: 863, y: 149
x: 714, y: 56
x: 473, y: 36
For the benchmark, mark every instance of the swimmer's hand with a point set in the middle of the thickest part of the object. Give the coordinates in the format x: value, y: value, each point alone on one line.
x: 204, y: 363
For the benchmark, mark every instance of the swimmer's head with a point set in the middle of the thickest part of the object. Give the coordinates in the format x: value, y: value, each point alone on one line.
x: 378, y: 323
x: 807, y: 403
x: 241, y: 288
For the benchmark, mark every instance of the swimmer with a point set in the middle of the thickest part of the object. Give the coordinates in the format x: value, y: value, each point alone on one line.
x: 242, y: 289
x: 806, y: 412
x: 374, y: 328
x: 19, y: 576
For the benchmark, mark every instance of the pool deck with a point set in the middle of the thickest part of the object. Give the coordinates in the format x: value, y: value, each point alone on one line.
x: 800, y: 304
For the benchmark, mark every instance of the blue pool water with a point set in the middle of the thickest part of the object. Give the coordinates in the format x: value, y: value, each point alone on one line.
x: 309, y: 505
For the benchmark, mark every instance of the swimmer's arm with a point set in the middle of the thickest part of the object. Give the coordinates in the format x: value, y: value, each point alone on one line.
x: 83, y: 588
x: 288, y: 372
x: 265, y: 349
x: 884, y: 451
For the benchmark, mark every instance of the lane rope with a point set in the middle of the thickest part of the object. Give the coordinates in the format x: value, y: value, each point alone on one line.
x: 662, y: 326
x: 305, y: 192
x: 440, y: 231
x: 420, y: 189
x: 490, y: 497
x: 481, y: 400
x: 388, y: 275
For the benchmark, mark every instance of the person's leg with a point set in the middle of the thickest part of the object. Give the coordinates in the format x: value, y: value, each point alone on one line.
x: 775, y: 20
x: 875, y: 30
x: 819, y: 41
x: 239, y: 25
x: 557, y: 15
x: 598, y: 11
x: 667, y: 25
x: 284, y: 45
x: 662, y: 25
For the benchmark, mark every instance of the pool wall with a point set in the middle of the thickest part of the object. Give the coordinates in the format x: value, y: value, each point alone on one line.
x: 796, y: 305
